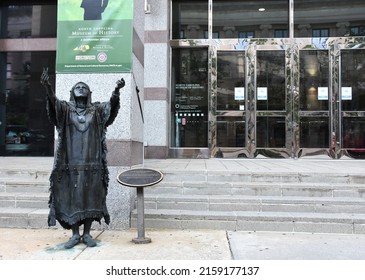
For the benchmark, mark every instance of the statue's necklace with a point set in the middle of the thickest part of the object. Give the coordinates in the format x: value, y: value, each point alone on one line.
x: 81, y: 115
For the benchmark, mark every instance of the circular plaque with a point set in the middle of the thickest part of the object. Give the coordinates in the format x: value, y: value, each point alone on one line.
x: 140, y: 177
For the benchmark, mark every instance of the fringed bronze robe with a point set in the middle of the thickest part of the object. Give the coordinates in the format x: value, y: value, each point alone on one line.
x: 79, y: 179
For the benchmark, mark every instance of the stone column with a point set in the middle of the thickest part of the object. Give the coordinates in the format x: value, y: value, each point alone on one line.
x: 157, y: 93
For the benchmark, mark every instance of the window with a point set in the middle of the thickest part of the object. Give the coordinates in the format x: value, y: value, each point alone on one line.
x: 258, y: 19
x: 267, y: 19
x: 25, y: 128
x: 281, y: 33
x: 320, y: 32
x: 246, y: 34
x: 327, y: 17
x: 189, y: 115
x: 29, y: 21
x: 189, y: 19
x: 357, y: 31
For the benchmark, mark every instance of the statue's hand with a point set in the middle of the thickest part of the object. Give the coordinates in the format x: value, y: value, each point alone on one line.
x: 120, y: 84
x: 45, y: 77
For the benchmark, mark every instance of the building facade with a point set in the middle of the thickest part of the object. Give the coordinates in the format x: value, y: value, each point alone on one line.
x: 280, y: 79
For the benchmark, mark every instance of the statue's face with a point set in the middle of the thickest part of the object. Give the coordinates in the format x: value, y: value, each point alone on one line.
x: 81, y: 90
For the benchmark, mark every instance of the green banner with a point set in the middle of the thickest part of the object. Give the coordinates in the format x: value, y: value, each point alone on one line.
x: 94, y: 36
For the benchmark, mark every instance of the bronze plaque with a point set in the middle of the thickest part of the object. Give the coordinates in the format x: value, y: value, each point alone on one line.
x: 140, y: 177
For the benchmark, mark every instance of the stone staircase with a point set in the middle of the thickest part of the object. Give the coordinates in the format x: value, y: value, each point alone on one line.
x: 214, y: 199
x: 290, y: 202
x: 24, y: 198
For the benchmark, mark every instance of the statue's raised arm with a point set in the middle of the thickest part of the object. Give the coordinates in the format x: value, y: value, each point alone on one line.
x: 45, y: 78
x: 47, y: 84
x: 120, y: 84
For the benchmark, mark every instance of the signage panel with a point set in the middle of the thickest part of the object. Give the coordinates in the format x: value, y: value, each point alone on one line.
x: 94, y: 36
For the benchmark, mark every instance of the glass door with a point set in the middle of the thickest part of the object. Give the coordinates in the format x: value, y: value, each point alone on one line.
x: 272, y: 104
x: 312, y: 104
x: 251, y: 112
x: 352, y: 102
x: 230, y: 106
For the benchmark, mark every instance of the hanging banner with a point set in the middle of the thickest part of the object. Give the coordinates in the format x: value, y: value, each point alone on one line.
x: 94, y: 36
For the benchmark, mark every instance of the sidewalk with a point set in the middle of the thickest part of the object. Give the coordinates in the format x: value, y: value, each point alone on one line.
x: 34, y: 244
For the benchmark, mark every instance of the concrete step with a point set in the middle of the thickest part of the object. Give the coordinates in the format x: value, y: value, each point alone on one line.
x: 259, y: 189
x: 242, y: 176
x: 24, y: 174
x: 12, y: 185
x: 23, y: 217
x: 31, y: 200
x: 255, y: 203
x: 253, y: 221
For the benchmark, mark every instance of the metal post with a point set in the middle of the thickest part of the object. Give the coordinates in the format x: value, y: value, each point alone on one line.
x: 141, y: 239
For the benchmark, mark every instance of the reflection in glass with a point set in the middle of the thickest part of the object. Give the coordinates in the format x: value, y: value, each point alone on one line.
x: 189, y: 104
x: 325, y: 18
x: 271, y: 80
x: 28, y: 130
x: 314, y: 77
x: 189, y: 19
x: 29, y: 21
x: 314, y: 132
x: 353, y: 133
x: 230, y: 131
x: 353, y: 80
x: 270, y: 132
x: 231, y: 80
x: 258, y: 19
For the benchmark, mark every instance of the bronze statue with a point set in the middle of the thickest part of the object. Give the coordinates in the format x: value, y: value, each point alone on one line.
x: 79, y: 178
x: 93, y: 8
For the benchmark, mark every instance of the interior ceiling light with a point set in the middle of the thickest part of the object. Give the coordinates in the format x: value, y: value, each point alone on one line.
x: 262, y: 9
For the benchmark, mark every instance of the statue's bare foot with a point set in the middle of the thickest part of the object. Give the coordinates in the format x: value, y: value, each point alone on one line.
x: 74, y: 240
x: 88, y: 240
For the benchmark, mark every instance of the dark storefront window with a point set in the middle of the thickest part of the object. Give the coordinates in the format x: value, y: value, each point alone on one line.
x: 189, y: 19
x: 27, y: 130
x: 29, y: 21
x: 189, y: 104
x: 326, y: 18
x: 268, y: 19
x: 231, y: 19
x: 24, y: 126
x: 258, y: 19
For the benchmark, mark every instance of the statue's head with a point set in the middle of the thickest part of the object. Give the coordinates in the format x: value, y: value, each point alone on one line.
x: 81, y: 91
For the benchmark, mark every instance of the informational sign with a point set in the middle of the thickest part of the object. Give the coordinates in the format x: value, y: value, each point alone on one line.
x: 322, y: 93
x: 262, y: 93
x: 140, y: 177
x: 346, y: 93
x: 94, y: 36
x: 239, y: 93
